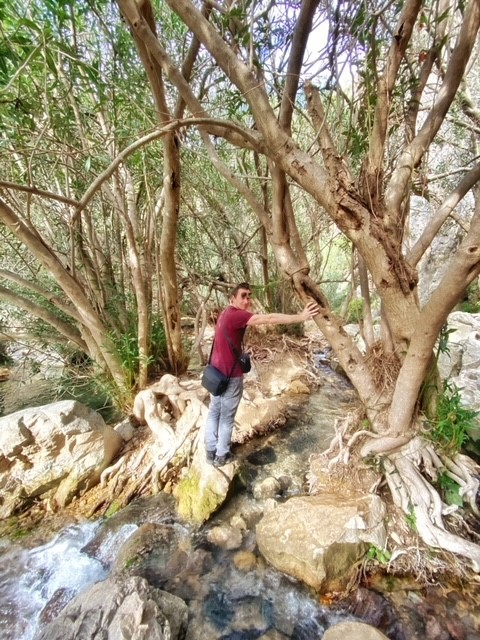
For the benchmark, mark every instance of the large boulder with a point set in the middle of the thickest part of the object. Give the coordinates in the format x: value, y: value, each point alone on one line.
x: 318, y: 539
x: 123, y: 609
x: 55, y: 450
x: 351, y: 630
x: 460, y: 362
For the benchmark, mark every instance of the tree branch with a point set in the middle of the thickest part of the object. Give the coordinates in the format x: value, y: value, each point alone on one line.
x: 401, y: 38
x: 69, y: 310
x: 276, y: 143
x: 413, y: 154
x: 303, y: 28
x: 38, y: 192
x: 445, y: 209
x: 64, y: 328
x: 144, y: 140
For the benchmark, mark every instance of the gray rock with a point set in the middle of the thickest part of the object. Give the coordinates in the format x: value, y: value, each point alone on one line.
x: 120, y: 609
x: 55, y: 450
x: 353, y: 631
x: 318, y: 539
x: 267, y: 488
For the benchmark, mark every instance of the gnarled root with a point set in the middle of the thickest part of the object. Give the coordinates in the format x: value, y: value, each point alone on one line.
x: 109, y: 472
x: 462, y: 470
x: 413, y: 494
x: 405, y: 459
x: 375, y: 443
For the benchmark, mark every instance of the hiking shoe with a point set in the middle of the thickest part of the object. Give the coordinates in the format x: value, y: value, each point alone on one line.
x: 210, y: 456
x: 220, y: 461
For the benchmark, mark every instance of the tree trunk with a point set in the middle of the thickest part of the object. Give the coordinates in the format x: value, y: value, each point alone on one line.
x: 72, y: 289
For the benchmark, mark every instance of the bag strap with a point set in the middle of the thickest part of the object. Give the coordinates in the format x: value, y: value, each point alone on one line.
x: 211, y: 350
x: 231, y: 346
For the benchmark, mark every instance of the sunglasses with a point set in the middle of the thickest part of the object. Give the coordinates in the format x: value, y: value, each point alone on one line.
x: 245, y: 295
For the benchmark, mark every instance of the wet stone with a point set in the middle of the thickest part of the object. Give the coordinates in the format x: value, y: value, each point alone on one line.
x: 263, y: 456
x: 218, y: 609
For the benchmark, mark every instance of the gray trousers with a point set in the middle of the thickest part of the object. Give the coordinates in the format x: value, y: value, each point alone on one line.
x: 221, y: 416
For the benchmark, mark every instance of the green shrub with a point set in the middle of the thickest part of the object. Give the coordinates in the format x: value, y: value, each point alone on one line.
x: 411, y: 520
x: 355, y: 311
x: 450, y: 490
x: 5, y: 359
x: 449, y: 429
x: 471, y: 301
x: 382, y: 556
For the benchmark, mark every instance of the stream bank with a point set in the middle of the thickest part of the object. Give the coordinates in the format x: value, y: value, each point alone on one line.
x: 216, y: 580
x: 231, y: 593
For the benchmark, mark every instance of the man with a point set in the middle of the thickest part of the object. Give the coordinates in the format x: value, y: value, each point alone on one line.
x: 231, y: 326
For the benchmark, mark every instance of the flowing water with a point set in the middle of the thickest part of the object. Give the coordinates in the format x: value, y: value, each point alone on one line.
x: 227, y: 600
x: 59, y: 569
x: 36, y: 582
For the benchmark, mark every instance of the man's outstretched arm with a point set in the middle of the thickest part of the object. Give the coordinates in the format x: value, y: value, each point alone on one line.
x: 310, y: 310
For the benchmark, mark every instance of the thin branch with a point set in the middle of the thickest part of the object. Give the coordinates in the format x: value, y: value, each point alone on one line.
x: 433, y: 227
x: 154, y: 135
x: 38, y: 192
x: 33, y: 286
x: 414, y: 152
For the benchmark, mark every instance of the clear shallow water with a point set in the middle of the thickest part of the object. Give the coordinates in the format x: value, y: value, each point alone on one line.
x: 225, y: 602
x: 60, y: 569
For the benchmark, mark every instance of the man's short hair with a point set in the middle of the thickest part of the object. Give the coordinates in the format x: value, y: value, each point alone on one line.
x: 242, y: 285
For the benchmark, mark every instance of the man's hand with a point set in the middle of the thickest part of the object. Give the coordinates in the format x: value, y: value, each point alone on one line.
x: 311, y: 310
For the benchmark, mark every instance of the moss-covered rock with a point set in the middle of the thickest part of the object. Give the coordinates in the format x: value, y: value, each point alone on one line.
x: 197, y: 497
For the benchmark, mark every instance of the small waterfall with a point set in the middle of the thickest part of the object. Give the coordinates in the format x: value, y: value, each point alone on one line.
x: 37, y: 582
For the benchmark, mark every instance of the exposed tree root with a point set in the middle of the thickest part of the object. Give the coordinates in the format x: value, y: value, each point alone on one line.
x: 412, y: 492
x: 109, y: 472
x: 406, y: 464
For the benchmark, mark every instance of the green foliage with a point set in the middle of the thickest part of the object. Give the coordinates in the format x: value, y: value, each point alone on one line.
x: 355, y: 310
x: 126, y: 347
x: 382, y: 556
x: 450, y: 490
x: 132, y: 562
x: 158, y: 345
x: 471, y: 301
x: 84, y: 384
x: 470, y: 307
x: 430, y: 392
x: 443, y: 340
x: 411, y: 520
x: 5, y: 359
x: 450, y: 427
x: 15, y: 528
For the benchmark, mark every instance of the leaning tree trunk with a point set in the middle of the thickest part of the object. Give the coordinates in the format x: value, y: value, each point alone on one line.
x: 171, y: 186
x: 89, y: 318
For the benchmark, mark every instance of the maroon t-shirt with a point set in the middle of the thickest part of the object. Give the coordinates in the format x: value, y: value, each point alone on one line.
x: 232, y: 322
